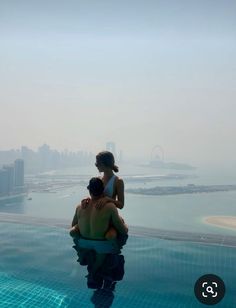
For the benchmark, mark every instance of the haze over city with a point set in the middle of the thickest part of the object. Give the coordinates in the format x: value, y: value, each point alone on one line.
x: 77, y: 74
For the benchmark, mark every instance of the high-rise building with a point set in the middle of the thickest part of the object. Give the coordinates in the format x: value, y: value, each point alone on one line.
x: 120, y: 157
x: 10, y: 177
x: 3, y: 182
x: 111, y: 147
x: 19, y: 172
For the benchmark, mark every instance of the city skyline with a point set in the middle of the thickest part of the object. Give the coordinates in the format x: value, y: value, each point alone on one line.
x: 46, y: 158
x: 156, y: 153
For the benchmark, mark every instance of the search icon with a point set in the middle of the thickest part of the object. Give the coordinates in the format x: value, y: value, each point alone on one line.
x: 209, y: 289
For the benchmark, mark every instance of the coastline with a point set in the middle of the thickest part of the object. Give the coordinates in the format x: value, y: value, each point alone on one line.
x: 13, y: 196
x: 228, y: 222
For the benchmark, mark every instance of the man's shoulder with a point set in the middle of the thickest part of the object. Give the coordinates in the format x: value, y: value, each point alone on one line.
x: 110, y: 205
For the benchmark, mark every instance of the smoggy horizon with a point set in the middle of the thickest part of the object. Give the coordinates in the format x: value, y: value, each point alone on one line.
x: 76, y: 75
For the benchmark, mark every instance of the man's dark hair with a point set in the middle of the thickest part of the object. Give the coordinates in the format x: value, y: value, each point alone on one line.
x: 96, y: 186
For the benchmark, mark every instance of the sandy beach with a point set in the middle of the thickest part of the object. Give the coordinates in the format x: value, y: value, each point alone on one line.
x: 222, y: 221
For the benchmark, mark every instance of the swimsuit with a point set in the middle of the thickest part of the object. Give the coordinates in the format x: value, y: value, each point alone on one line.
x: 109, y: 188
x: 100, y: 246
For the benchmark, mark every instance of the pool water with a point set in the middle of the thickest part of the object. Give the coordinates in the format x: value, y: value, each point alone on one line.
x: 38, y: 268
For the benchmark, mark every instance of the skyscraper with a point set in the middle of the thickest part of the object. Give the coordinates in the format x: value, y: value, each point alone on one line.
x: 111, y: 147
x: 120, y: 157
x: 9, y: 177
x: 19, y: 172
x: 3, y: 182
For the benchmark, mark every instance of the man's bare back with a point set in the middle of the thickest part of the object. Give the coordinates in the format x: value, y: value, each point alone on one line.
x: 93, y: 223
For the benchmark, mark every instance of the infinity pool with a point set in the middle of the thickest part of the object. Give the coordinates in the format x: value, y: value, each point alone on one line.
x: 38, y: 268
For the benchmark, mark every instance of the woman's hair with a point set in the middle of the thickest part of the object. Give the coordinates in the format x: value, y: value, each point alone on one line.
x: 107, y: 159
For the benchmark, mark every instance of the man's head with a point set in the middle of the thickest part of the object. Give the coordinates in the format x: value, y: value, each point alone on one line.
x: 95, y: 187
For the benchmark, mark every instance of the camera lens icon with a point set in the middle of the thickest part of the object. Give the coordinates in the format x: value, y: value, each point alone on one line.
x: 209, y: 289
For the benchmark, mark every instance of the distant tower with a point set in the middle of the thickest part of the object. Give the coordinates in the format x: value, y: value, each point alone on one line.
x: 157, y: 154
x: 121, y: 157
x: 9, y: 177
x: 3, y: 181
x: 44, y: 153
x: 111, y: 147
x: 19, y: 172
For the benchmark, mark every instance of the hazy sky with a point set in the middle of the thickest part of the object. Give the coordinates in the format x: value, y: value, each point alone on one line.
x: 75, y: 74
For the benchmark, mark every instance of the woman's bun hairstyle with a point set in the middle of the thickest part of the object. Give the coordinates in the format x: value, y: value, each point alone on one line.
x: 115, y: 168
x: 107, y: 159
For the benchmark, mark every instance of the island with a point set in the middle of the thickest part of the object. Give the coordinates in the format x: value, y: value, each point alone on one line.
x: 176, y: 190
x: 222, y: 221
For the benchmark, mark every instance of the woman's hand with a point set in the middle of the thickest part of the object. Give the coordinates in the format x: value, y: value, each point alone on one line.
x: 100, y: 204
x: 85, y: 202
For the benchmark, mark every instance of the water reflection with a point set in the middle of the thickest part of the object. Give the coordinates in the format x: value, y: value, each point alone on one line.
x: 14, y: 205
x: 104, y: 269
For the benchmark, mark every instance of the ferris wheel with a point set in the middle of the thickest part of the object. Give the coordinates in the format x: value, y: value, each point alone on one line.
x: 157, y: 153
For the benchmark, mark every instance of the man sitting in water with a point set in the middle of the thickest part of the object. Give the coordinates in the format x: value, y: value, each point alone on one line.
x: 90, y: 225
x: 93, y: 223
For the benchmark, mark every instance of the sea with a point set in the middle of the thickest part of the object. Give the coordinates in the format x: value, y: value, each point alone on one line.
x: 56, y: 193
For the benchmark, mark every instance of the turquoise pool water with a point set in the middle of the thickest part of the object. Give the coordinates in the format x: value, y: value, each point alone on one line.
x: 38, y: 268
